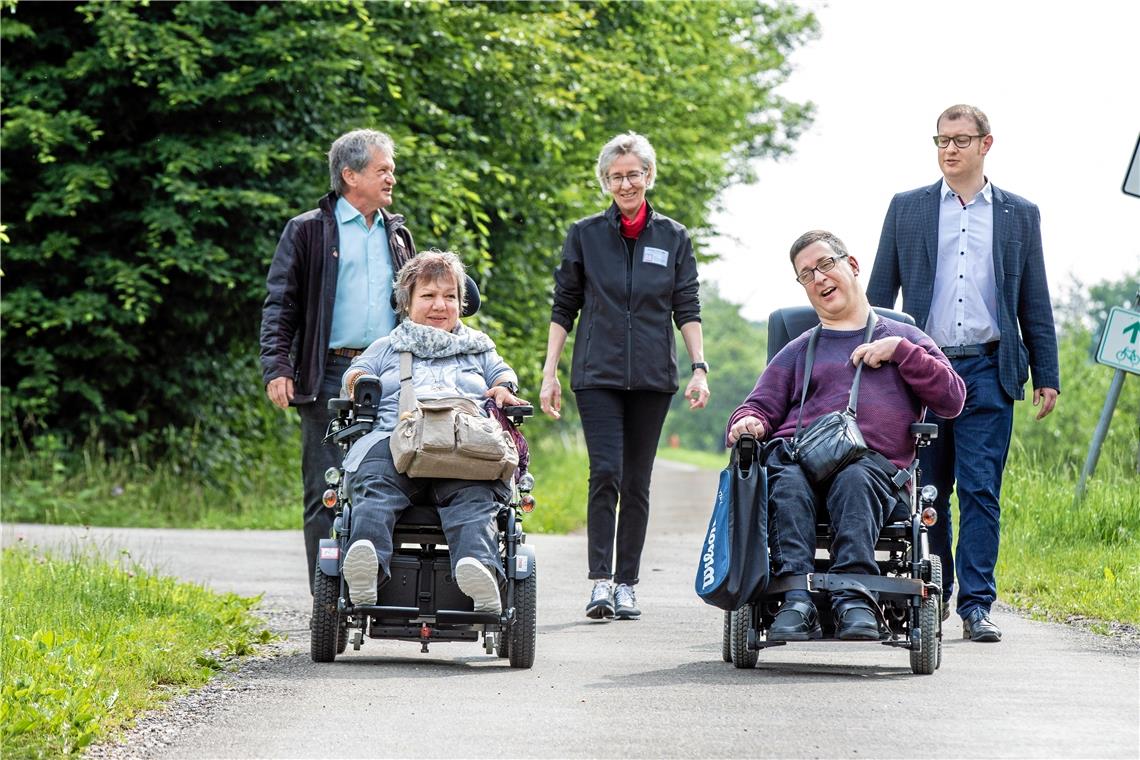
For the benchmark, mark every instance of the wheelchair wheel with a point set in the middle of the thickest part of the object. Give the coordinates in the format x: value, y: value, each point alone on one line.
x: 522, y: 633
x: 926, y: 661
x: 327, y: 635
x: 726, y: 638
x: 741, y: 623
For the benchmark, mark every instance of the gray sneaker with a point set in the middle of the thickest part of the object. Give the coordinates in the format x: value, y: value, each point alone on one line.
x: 625, y: 602
x: 601, y: 603
x: 477, y: 581
x: 361, y: 570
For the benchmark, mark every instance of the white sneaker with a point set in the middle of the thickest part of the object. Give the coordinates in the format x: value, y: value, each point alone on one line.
x: 601, y: 604
x: 625, y: 602
x: 479, y: 583
x: 361, y: 569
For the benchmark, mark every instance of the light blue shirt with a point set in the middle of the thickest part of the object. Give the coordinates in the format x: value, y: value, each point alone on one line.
x: 964, y: 308
x: 363, y: 308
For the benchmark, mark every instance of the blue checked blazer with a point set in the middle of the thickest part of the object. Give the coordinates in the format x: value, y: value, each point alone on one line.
x: 908, y: 256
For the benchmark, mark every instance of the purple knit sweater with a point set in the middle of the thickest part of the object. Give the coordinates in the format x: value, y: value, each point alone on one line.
x: 891, y: 396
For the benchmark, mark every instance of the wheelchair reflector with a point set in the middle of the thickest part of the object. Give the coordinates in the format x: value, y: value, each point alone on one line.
x: 328, y: 498
x: 929, y: 516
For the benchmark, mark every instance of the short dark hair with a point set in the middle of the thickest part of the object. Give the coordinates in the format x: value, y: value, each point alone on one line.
x: 428, y: 266
x: 963, y: 111
x: 817, y: 236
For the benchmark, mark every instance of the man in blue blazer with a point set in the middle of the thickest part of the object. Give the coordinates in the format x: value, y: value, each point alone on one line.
x: 968, y: 259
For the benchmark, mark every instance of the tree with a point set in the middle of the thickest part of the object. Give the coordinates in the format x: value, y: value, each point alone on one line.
x: 152, y: 154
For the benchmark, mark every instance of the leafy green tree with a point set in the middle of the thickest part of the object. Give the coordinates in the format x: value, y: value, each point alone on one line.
x: 153, y: 152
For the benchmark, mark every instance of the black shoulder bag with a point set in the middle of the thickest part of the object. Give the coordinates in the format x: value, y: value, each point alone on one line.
x: 834, y: 440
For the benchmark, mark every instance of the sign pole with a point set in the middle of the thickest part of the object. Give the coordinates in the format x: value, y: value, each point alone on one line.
x: 1106, y: 413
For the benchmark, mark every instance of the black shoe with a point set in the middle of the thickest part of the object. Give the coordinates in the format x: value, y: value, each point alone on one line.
x: 855, y: 621
x: 796, y: 621
x: 977, y: 626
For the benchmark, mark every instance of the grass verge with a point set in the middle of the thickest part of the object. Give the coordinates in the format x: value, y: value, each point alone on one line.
x: 88, y: 644
x: 561, y: 472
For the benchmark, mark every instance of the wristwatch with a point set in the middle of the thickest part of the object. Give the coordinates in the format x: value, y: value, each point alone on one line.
x: 511, y: 386
x: 701, y: 365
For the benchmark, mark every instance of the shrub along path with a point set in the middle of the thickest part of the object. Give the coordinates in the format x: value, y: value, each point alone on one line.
x: 653, y: 687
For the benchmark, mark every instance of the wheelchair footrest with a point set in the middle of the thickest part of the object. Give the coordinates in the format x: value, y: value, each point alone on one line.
x: 453, y: 617
x: 885, y: 586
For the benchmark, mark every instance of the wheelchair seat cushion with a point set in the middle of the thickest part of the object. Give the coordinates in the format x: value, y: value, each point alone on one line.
x: 420, y: 514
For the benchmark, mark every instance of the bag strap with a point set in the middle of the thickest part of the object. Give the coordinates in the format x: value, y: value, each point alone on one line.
x: 407, y: 390
x: 809, y: 360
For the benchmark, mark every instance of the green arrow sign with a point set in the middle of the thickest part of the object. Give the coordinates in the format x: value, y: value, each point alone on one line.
x: 1133, y: 328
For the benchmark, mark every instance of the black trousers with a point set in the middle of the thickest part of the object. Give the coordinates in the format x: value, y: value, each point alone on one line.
x: 317, y: 456
x: 622, y: 429
x: 859, y: 499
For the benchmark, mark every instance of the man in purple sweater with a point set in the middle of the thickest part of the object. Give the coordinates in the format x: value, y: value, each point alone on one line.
x: 904, y: 374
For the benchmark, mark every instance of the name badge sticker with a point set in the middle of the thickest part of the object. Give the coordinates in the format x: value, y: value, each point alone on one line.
x: 658, y: 256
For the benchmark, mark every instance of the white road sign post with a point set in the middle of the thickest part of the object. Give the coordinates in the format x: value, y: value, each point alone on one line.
x: 1119, y: 348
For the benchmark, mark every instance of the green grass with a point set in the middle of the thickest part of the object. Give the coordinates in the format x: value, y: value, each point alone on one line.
x: 1059, y: 559
x: 92, y: 488
x: 87, y: 644
x: 561, y: 481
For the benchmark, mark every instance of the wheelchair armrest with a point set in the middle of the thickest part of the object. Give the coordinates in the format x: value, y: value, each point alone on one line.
x: 926, y: 431
x: 518, y: 412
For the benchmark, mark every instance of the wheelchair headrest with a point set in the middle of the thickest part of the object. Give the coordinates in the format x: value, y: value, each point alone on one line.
x: 473, y: 299
x: 789, y: 323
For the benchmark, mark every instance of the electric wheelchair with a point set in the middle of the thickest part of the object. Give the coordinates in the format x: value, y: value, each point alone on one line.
x: 909, y: 585
x: 421, y: 602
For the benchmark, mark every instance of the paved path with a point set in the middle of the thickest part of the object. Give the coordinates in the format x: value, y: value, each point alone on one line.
x: 656, y: 687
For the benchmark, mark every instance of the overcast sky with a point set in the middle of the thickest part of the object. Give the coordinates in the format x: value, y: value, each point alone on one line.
x: 1059, y: 81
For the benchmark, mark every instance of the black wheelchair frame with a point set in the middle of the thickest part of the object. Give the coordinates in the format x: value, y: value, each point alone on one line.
x: 909, y: 585
x: 421, y: 601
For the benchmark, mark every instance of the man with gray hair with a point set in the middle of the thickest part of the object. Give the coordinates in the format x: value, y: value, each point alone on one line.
x: 330, y: 289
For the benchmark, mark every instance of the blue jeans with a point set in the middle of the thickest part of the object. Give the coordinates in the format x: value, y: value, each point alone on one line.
x: 318, y: 456
x: 467, y: 509
x: 971, y: 451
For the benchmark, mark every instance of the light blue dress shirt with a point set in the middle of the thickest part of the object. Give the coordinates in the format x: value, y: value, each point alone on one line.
x: 964, y: 308
x: 362, y: 312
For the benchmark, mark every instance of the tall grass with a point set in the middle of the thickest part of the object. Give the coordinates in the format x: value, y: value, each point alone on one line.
x: 87, y: 644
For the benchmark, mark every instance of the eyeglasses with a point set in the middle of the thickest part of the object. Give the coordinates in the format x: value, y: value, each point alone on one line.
x: 806, y: 277
x: 635, y: 179
x: 962, y: 141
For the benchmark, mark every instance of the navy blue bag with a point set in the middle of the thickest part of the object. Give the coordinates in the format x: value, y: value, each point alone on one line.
x: 734, y: 556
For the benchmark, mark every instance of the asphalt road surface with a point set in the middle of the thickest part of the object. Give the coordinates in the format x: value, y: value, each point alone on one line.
x: 655, y: 687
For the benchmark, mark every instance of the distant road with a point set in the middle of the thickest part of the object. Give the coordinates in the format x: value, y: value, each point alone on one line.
x: 656, y: 687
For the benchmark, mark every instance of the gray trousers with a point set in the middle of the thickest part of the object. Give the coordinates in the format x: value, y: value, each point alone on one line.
x: 467, y: 509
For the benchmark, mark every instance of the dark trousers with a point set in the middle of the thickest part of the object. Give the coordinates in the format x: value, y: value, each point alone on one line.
x: 971, y: 451
x: 318, y: 456
x: 859, y: 499
x: 467, y: 509
x: 621, y: 429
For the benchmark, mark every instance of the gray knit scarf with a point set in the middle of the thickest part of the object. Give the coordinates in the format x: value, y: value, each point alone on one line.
x: 426, y: 342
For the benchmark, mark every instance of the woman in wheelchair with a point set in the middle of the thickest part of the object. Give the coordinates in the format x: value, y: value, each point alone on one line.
x: 448, y: 359
x: 904, y: 372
